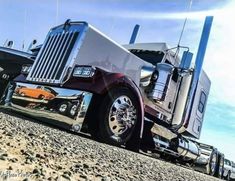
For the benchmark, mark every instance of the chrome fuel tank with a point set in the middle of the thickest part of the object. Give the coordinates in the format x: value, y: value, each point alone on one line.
x: 186, y: 148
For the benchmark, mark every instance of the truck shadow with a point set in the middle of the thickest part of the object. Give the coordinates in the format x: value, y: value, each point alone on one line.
x: 54, y: 125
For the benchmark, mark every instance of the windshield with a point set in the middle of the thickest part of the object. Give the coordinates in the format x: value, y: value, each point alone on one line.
x: 152, y: 57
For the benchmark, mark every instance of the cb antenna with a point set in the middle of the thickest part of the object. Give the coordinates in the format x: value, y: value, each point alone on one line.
x: 185, y: 21
x: 57, y: 11
x: 24, y: 27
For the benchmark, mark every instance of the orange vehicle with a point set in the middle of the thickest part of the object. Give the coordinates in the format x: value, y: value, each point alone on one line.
x: 40, y: 92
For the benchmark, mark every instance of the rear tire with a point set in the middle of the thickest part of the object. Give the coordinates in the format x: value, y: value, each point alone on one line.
x: 213, y: 164
x: 119, y: 114
x: 220, y: 167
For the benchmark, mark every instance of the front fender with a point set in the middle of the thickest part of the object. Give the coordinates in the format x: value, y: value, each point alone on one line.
x: 104, y: 81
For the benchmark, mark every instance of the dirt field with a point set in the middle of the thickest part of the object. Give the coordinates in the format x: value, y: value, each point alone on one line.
x: 31, y: 150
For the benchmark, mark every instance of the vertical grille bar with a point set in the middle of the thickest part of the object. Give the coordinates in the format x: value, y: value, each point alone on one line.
x: 43, y: 59
x: 49, y: 56
x: 38, y: 63
x: 58, y: 54
x: 63, y: 54
x: 52, y: 58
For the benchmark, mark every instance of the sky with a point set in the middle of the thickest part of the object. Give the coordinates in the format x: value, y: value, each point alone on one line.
x: 160, y: 21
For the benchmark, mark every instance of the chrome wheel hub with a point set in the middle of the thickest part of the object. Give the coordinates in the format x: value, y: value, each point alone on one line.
x: 122, y: 115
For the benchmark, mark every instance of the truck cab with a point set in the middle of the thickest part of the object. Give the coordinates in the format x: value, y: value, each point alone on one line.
x: 11, y: 62
x: 171, y: 106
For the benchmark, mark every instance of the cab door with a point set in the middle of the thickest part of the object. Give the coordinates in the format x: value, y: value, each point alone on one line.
x: 199, y: 106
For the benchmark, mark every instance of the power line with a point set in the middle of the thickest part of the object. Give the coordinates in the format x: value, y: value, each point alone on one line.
x: 57, y: 11
x: 185, y: 21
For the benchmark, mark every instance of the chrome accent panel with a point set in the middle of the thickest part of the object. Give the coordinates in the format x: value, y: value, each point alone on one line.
x: 64, y: 107
x: 162, y: 80
x: 145, y: 75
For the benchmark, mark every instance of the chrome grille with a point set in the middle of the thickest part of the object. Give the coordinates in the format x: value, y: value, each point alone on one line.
x: 52, y: 58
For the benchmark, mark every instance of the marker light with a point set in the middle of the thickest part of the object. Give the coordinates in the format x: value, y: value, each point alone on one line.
x: 83, y: 72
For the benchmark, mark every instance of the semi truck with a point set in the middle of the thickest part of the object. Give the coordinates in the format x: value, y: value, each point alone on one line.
x: 11, y: 62
x: 141, y: 96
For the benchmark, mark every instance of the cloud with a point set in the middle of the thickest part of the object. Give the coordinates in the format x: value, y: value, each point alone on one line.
x: 219, y: 61
x: 149, y: 11
x: 160, y: 15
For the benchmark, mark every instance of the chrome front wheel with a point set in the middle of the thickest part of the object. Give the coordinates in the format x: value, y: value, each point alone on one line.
x: 119, y: 113
x: 122, y: 115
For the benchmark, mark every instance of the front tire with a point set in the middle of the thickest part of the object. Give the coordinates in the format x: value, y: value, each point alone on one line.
x: 118, y: 116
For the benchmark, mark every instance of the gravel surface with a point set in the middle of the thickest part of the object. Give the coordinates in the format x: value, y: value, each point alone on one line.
x: 34, y: 151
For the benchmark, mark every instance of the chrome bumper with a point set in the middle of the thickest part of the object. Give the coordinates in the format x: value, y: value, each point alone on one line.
x: 64, y: 107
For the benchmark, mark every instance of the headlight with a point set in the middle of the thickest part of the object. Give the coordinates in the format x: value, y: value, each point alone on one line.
x: 26, y: 69
x: 83, y: 71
